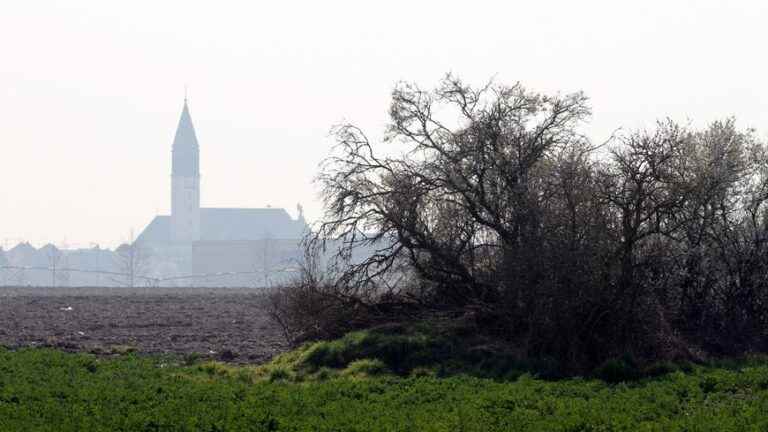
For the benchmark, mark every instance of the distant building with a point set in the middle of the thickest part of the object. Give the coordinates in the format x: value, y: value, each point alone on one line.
x: 24, y: 254
x: 232, y: 246
x: 25, y: 265
x: 192, y: 246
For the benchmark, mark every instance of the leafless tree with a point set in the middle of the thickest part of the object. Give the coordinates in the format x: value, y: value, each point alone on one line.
x: 132, y: 260
x: 54, y: 256
x: 653, y: 242
x: 467, y: 191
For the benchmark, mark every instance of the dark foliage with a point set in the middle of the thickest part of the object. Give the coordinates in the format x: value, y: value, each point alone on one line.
x: 501, y: 211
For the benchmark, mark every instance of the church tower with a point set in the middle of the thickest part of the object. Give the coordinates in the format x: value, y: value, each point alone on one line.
x: 185, y: 182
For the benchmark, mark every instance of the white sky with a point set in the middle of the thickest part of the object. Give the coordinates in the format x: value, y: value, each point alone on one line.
x: 91, y: 91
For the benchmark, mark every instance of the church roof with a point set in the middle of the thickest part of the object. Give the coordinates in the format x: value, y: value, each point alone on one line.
x: 218, y: 224
x: 157, y: 232
x: 231, y: 224
x: 186, y: 153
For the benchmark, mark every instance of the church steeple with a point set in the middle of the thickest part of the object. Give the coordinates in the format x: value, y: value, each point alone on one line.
x: 185, y: 181
x: 186, y: 152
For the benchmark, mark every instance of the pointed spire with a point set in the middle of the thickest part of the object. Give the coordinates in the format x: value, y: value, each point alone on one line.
x: 185, y: 147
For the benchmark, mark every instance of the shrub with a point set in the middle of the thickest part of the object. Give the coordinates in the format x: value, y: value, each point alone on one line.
x: 311, y: 308
x: 617, y: 370
x: 660, y: 368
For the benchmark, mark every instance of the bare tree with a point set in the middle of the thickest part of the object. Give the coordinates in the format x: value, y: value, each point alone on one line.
x: 54, y: 256
x: 500, y: 209
x: 468, y: 188
x: 132, y: 260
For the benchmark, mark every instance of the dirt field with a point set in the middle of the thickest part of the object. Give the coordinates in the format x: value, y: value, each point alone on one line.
x: 223, y: 323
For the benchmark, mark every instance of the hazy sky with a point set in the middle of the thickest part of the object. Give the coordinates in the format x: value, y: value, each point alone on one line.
x: 91, y: 91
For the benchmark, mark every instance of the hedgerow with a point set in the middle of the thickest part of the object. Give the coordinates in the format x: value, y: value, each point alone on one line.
x: 500, y: 210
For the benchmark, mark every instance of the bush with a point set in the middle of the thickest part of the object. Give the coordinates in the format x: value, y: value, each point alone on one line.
x: 312, y: 308
x: 660, y: 368
x: 618, y: 370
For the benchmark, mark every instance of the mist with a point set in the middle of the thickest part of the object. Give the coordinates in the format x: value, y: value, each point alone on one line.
x: 92, y: 91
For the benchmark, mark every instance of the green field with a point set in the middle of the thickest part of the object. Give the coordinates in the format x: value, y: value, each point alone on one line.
x: 46, y: 390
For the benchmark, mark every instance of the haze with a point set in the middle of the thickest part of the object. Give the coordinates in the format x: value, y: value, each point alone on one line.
x: 91, y: 91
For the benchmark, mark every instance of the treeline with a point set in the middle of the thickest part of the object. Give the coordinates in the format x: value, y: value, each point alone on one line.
x: 502, y: 212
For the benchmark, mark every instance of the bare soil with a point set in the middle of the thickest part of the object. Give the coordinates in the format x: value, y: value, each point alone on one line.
x: 223, y: 323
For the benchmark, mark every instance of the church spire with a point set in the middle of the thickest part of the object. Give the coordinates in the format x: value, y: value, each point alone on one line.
x: 186, y: 152
x: 185, y: 181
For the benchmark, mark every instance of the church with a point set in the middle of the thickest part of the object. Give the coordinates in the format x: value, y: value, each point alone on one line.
x: 218, y: 246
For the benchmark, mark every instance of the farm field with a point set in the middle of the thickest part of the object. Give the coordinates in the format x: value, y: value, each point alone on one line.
x: 47, y: 390
x: 219, y: 323
x: 92, y: 359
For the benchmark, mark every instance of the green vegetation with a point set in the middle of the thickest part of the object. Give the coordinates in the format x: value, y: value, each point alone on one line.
x: 438, y: 349
x: 46, y: 390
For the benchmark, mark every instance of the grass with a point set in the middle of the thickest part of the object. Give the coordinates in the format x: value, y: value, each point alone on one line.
x: 437, y: 351
x: 404, y: 351
x: 47, y: 390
